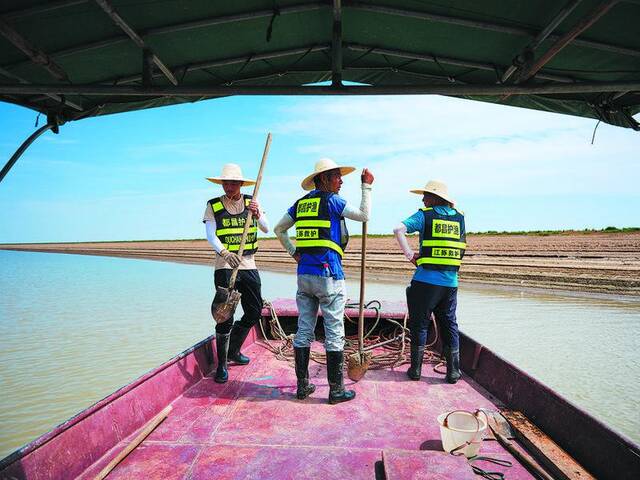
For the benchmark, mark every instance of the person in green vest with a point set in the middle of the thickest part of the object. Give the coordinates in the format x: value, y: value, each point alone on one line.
x: 434, y: 287
x: 224, y: 218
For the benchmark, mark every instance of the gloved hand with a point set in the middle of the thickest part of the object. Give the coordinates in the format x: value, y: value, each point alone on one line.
x: 254, y: 206
x: 232, y: 259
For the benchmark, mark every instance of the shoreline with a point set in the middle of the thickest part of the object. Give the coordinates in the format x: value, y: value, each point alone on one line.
x: 607, y: 263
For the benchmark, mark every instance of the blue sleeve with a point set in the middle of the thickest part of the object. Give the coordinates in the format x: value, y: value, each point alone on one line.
x: 336, y: 204
x: 292, y: 211
x: 415, y: 222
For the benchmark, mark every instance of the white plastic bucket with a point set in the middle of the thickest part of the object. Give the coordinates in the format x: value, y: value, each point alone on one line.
x: 462, y: 429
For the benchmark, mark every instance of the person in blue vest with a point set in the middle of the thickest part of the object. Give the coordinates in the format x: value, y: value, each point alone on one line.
x: 224, y: 218
x: 434, y: 287
x: 321, y: 237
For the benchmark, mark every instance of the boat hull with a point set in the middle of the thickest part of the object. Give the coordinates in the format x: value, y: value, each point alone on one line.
x: 85, y: 443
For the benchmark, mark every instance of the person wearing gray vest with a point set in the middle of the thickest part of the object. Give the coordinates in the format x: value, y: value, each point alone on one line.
x: 224, y: 218
x: 434, y: 287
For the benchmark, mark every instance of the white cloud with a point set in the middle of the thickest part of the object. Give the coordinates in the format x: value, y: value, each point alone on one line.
x: 474, y: 146
x: 481, y: 150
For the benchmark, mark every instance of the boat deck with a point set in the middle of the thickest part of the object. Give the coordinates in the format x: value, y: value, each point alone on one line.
x: 253, y: 427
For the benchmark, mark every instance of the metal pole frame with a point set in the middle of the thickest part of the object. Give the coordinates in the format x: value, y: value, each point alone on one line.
x: 210, y: 91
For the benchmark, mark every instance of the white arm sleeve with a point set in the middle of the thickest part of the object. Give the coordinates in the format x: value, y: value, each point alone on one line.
x: 263, y: 223
x: 285, y: 223
x: 211, y: 236
x: 400, y: 231
x: 360, y: 214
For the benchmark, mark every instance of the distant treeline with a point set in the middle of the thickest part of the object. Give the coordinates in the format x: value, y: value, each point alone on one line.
x: 559, y: 232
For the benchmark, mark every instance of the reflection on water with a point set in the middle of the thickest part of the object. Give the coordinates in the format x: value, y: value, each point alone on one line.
x: 75, y: 328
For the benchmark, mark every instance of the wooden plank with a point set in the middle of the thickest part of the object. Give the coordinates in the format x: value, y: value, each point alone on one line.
x: 545, y: 450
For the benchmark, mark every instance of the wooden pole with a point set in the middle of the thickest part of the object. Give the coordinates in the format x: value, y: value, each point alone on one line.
x: 363, y: 260
x: 247, y: 224
x: 148, y: 428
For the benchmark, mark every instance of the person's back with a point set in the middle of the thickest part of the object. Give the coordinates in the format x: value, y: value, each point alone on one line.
x: 321, y: 233
x: 321, y: 238
x: 434, y: 286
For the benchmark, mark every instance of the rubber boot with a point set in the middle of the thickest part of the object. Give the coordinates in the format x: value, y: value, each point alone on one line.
x: 238, y: 336
x: 305, y: 388
x: 222, y: 347
x: 453, y: 365
x: 417, y: 354
x: 337, y: 393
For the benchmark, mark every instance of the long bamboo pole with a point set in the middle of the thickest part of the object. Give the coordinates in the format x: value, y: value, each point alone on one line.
x: 247, y: 224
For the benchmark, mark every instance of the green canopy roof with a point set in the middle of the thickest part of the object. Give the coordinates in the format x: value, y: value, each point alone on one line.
x: 73, y: 59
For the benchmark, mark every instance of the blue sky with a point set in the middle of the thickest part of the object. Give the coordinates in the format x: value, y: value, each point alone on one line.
x: 140, y: 175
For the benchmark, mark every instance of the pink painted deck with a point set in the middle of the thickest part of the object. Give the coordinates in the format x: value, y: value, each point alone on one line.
x: 253, y: 427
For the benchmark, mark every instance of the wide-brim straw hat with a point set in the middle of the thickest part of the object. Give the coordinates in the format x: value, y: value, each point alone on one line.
x: 324, y: 165
x: 232, y: 172
x: 437, y: 188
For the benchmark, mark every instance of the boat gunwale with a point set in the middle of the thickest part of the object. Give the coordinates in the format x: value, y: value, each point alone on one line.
x: 546, y: 409
x: 97, y: 406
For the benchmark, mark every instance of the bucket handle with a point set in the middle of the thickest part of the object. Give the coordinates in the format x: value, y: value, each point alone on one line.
x: 445, y: 423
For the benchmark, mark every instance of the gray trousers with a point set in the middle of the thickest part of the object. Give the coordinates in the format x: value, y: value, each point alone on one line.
x: 330, y: 295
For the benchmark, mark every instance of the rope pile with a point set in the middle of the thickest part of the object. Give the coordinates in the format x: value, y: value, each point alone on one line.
x: 390, y: 347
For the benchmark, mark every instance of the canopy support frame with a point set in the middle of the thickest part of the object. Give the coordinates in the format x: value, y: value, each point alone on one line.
x: 36, y: 55
x: 527, y: 52
x: 492, y: 27
x: 566, y: 39
x: 427, y: 57
x: 434, y: 89
x: 336, y: 45
x: 124, y: 26
x: 53, y: 96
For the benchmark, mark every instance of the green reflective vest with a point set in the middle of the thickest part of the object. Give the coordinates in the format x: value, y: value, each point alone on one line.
x: 443, y: 241
x: 313, y: 225
x: 229, y: 227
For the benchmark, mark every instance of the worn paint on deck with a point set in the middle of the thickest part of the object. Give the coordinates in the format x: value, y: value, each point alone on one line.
x: 254, y: 428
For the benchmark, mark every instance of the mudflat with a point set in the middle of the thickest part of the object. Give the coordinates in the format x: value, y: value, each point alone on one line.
x: 579, y: 261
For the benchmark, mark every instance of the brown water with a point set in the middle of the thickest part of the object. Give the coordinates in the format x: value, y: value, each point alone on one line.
x: 75, y: 328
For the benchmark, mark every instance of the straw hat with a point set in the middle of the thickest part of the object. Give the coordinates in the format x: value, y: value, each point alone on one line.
x: 323, y: 165
x: 231, y: 171
x: 437, y: 188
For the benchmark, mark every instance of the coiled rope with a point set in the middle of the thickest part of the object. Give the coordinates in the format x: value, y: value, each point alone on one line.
x: 391, y: 347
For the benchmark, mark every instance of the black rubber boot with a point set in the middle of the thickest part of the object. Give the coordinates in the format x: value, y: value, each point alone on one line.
x: 337, y: 393
x: 302, y: 372
x: 238, y: 336
x: 453, y: 365
x: 222, y: 347
x: 417, y: 354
